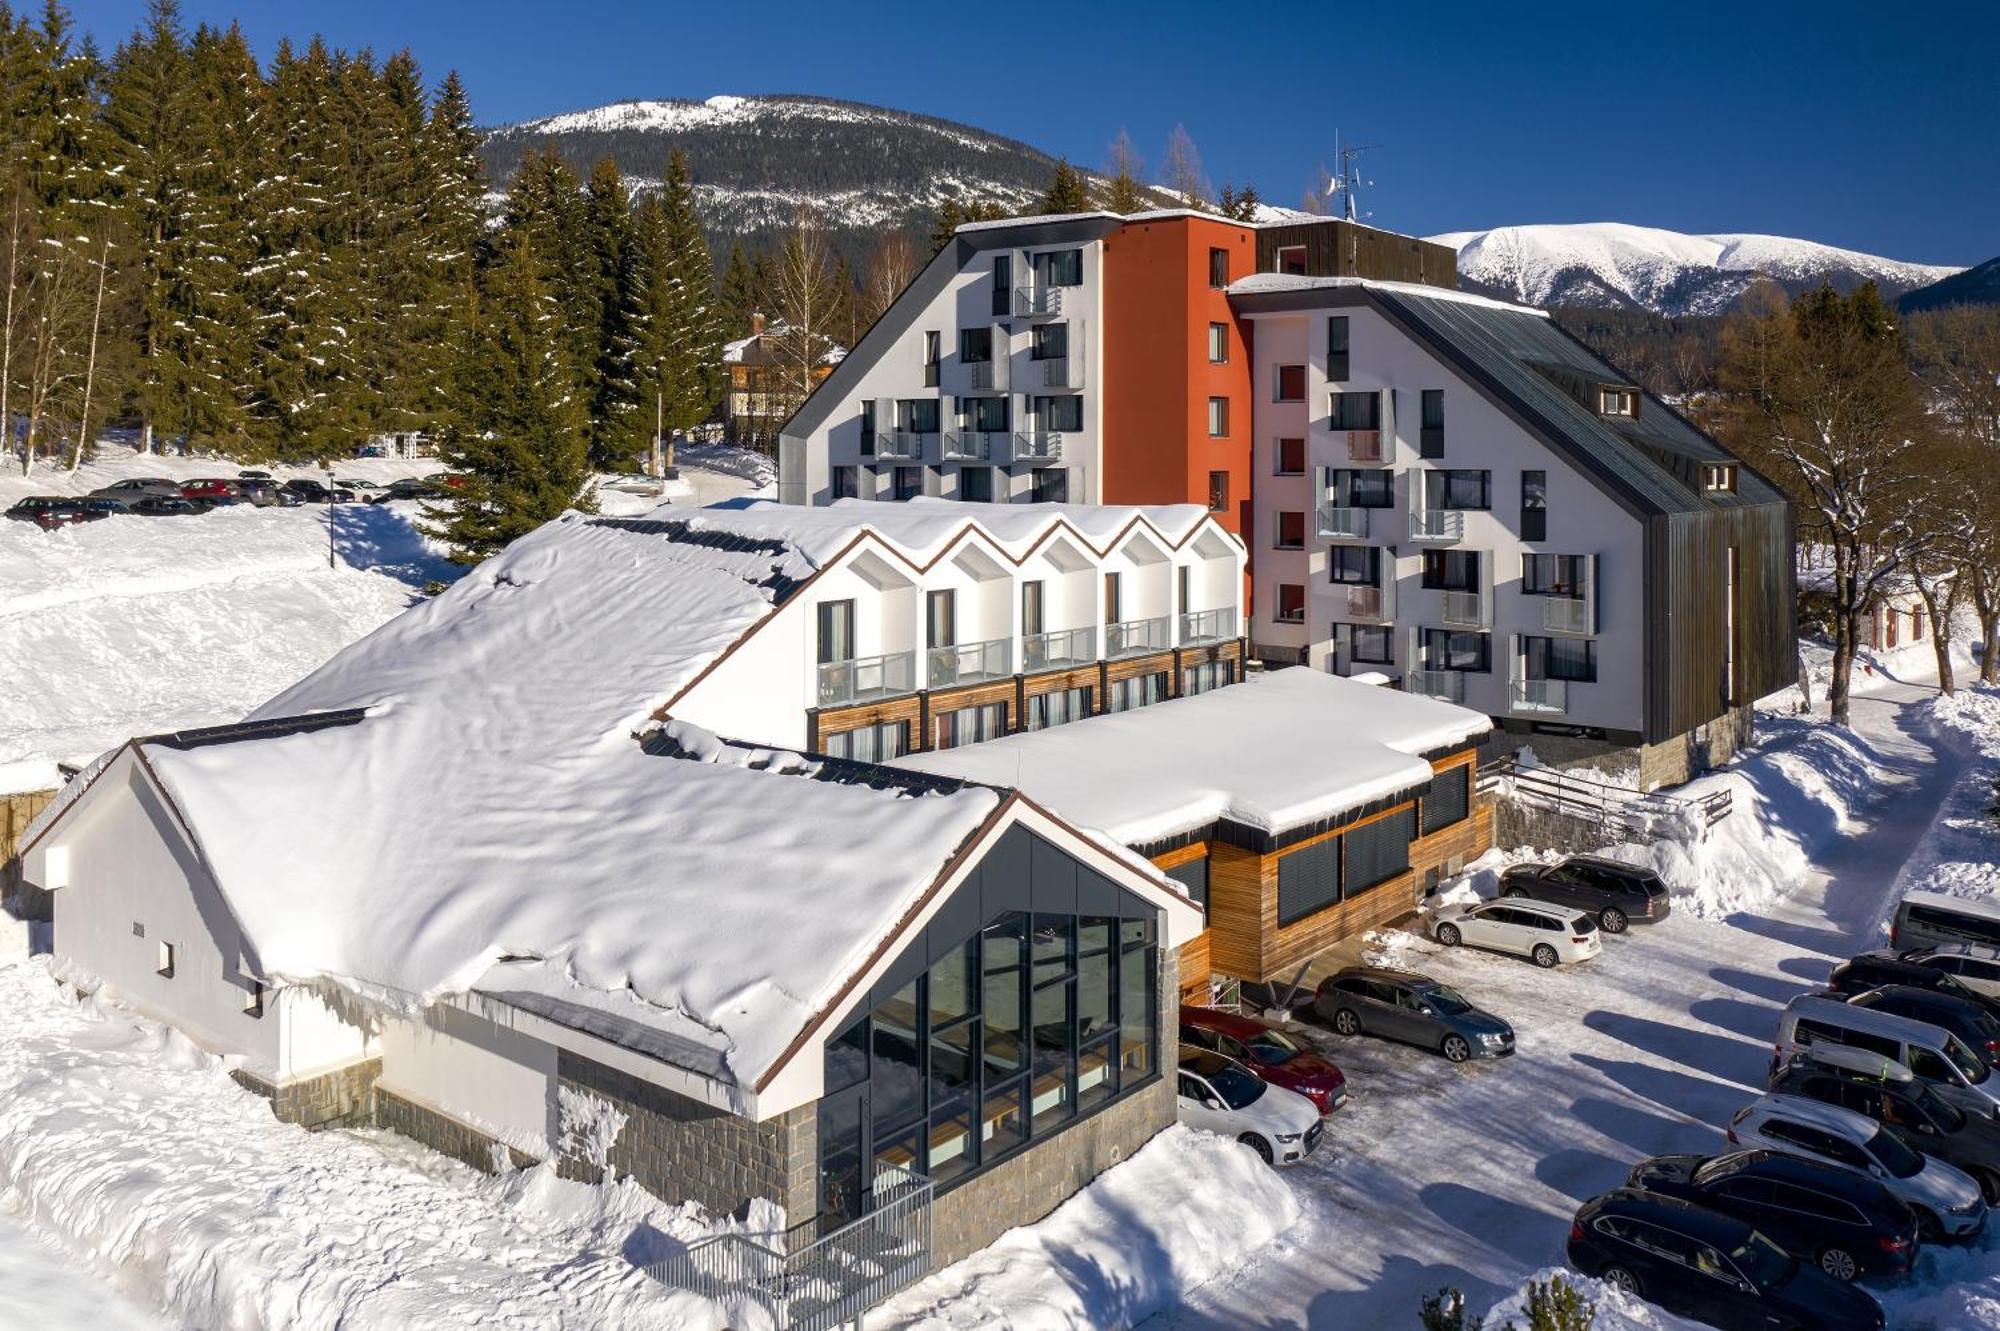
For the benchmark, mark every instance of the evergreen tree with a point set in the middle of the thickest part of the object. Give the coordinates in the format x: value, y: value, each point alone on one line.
x: 611, y: 302
x: 686, y: 310
x: 453, y: 228
x: 953, y: 214
x: 517, y: 431
x: 1066, y: 192
x: 1241, y: 206
x: 740, y: 294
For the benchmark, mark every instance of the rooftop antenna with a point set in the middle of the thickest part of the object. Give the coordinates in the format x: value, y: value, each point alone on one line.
x: 1348, y: 182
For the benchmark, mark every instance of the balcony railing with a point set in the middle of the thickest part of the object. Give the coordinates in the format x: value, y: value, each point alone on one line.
x: 1541, y: 695
x: 988, y: 376
x: 1448, y: 685
x: 866, y: 678
x: 1199, y: 626
x: 1060, y: 650
x: 1465, y: 610
x: 1366, y: 602
x: 899, y: 444
x: 1066, y: 373
x: 1034, y: 302
x: 1364, y: 445
x: 967, y: 445
x: 1564, y: 614
x: 970, y: 663
x: 1130, y: 637
x: 1037, y: 446
x: 1439, y: 525
x: 1342, y: 524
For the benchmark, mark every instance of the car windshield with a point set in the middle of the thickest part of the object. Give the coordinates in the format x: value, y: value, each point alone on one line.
x: 1970, y: 1066
x: 1946, y: 1114
x: 1446, y: 1000
x: 1236, y: 1087
x: 1272, y: 1048
x: 1763, y: 1262
x: 1950, y: 984
x: 1898, y: 1159
x: 1720, y: 1167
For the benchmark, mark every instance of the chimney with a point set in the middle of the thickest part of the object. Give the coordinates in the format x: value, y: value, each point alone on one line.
x: 757, y: 323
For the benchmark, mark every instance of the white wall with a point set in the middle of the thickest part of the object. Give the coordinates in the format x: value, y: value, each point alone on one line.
x: 498, y: 1080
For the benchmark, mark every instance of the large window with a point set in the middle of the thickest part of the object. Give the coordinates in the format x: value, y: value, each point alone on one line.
x: 1060, y: 412
x: 1139, y: 691
x: 1049, y: 485
x: 836, y: 631
x: 933, y: 352
x: 1449, y: 799
x: 1451, y: 570
x: 1288, y: 383
x: 1459, y: 489
x: 983, y: 413
x: 975, y: 485
x: 1209, y: 675
x: 909, y: 482
x: 1453, y: 649
x: 975, y: 345
x: 1534, y: 505
x: 867, y: 428
x: 1360, y: 564
x: 1218, y: 418
x: 1218, y: 268
x: 869, y: 744
x: 1291, y: 603
x: 1218, y: 344
x: 1059, y: 268
x: 968, y: 725
x: 1308, y: 879
x: 1430, y: 436
x: 845, y: 482
x: 1370, y: 644
x: 1057, y: 708
x: 1362, y: 488
x: 1572, y: 659
x: 1356, y: 411
x: 1336, y: 348
x: 1003, y: 284
x: 1289, y: 458
x: 1010, y: 1034
x: 920, y: 415
x: 1049, y: 342
x: 1552, y: 575
x: 1290, y: 530
x: 1377, y: 851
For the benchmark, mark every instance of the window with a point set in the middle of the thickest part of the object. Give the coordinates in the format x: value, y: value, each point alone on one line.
x: 1453, y: 649
x: 1378, y: 851
x: 253, y: 999
x: 909, y: 482
x: 1218, y: 491
x: 1202, y: 678
x: 1308, y: 879
x: 1049, y: 485
x: 836, y: 631
x: 1356, y: 411
x: 1139, y: 691
x: 1617, y: 402
x: 1336, y: 348
x: 869, y: 744
x: 1449, y: 798
x: 1059, y: 413
x: 867, y: 428
x: 1057, y: 708
x: 941, y: 619
x: 1451, y: 570
x: 166, y: 961
x: 975, y: 345
x: 1288, y: 383
x: 1354, y: 564
x: 1003, y: 284
x: 920, y: 415
x: 1358, y: 488
x: 975, y: 485
x: 1033, y: 596
x: 1291, y: 532
x: 1291, y: 603
x: 1431, y: 435
x: 1289, y: 457
x: 932, y: 354
x: 1292, y: 260
x: 1218, y: 418
x: 1218, y: 268
x: 1049, y: 342
x: 988, y: 414
x: 968, y: 725
x: 1114, y: 597
x: 1218, y: 344
x: 846, y: 482
x: 1183, y: 586
x: 1718, y: 477
x: 1058, y: 268
x: 1370, y: 644
x: 1193, y: 879
x: 1534, y: 506
x: 1552, y: 575
x: 1573, y: 659
x: 1459, y: 489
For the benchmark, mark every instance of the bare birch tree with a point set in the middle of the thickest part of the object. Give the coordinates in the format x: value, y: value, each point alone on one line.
x: 806, y: 294
x: 892, y: 266
x: 1180, y: 170
x: 103, y: 265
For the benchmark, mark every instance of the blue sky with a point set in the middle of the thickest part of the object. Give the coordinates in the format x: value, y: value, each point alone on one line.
x: 1872, y: 127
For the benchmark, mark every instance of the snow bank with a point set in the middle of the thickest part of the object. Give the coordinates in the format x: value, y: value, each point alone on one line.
x: 1616, y: 1311
x: 1960, y: 855
x: 1187, y: 1207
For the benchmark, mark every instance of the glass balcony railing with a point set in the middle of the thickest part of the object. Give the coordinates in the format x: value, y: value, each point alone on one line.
x: 1037, y: 446
x: 1130, y: 637
x: 969, y: 663
x: 1440, y: 525
x: 1200, y: 626
x: 866, y: 678
x: 1342, y: 524
x: 1366, y: 603
x: 1447, y: 685
x: 1541, y: 695
x: 899, y: 444
x: 1063, y: 649
x: 1564, y: 614
x: 1465, y: 610
x: 974, y: 445
x: 1037, y: 301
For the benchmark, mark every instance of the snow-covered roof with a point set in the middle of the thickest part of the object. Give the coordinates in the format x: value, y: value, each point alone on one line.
x: 1258, y: 283
x: 1275, y: 753
x: 735, y: 352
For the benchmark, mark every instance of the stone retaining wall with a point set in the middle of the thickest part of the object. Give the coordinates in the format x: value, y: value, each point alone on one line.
x: 442, y: 1133
x: 342, y: 1098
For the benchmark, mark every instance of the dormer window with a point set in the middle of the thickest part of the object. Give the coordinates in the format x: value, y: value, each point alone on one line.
x: 1718, y: 477
x: 1617, y: 402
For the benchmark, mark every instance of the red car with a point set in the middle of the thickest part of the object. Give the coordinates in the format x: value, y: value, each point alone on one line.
x: 1268, y: 1052
x: 211, y: 491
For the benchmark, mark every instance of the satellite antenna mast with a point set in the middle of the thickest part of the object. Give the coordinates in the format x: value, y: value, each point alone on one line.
x: 1349, y: 182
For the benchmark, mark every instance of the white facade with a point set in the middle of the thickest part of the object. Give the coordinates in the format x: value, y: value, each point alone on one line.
x: 1581, y: 520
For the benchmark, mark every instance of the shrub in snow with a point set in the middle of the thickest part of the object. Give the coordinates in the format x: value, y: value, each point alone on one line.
x: 590, y: 1127
x: 1445, y: 1311
x: 1555, y: 1304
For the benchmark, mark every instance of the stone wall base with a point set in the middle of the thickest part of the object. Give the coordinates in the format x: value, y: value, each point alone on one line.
x: 342, y: 1098
x: 1686, y: 756
x: 443, y: 1133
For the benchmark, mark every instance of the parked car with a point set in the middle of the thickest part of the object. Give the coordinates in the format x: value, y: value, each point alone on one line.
x: 312, y: 492
x: 361, y: 490
x: 54, y: 512
x: 1546, y: 934
x: 410, y: 487
x: 129, y: 491
x: 1221, y: 1095
x: 1974, y: 965
x: 1872, y: 970
x: 1268, y: 1052
x: 211, y: 492
x: 1935, y: 919
x: 264, y: 494
x: 1947, y: 1202
x: 1886, y: 1091
x: 1413, y: 1008
x: 159, y: 506
x: 1968, y: 1020
x: 1953, y: 1069
x: 1709, y: 1266
x: 1619, y: 895
x: 1846, y: 1224
x: 254, y: 474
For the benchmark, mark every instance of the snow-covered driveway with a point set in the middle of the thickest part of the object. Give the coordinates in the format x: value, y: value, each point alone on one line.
x: 1468, y: 1176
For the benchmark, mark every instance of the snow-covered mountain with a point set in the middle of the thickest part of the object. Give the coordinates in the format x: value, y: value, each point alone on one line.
x: 1615, y: 265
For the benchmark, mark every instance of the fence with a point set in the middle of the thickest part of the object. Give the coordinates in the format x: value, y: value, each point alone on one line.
x: 1611, y: 811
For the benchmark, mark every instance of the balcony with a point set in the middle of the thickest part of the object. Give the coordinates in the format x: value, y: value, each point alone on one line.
x: 1365, y: 603
x: 988, y: 376
x: 1437, y: 526
x: 867, y: 678
x: 899, y: 444
x: 1465, y: 610
x: 1064, y: 373
x: 1132, y: 637
x: 1567, y: 615
x: 1445, y: 685
x: 970, y: 663
x: 1037, y: 302
x: 1549, y: 696
x: 1200, y: 626
x: 1342, y: 524
x: 1061, y: 650
x: 1038, y: 446
x: 1364, y: 445
x: 968, y: 445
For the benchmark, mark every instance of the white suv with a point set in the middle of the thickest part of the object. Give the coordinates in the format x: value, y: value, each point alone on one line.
x: 1946, y: 1200
x: 1545, y: 933
x: 1221, y: 1095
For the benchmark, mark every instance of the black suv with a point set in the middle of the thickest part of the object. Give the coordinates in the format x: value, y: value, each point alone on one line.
x: 1872, y: 970
x: 1910, y: 1110
x: 1845, y: 1223
x: 54, y: 512
x: 312, y: 492
x: 1710, y: 1267
x: 1617, y: 894
x: 1968, y: 1020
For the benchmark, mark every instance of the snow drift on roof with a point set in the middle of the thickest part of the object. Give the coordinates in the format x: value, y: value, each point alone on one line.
x: 1278, y: 752
x: 1263, y: 282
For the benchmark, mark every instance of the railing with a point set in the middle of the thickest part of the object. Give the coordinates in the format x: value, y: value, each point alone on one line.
x: 968, y: 444
x: 1063, y: 648
x: 1563, y: 614
x: 1037, y: 445
x: 831, y: 1281
x: 1618, y: 812
x: 1129, y: 637
x: 1448, y: 685
x: 899, y: 444
x: 1465, y: 610
x: 1364, y: 445
x: 988, y: 375
x: 1364, y: 602
x: 1342, y: 524
x: 1033, y: 302
x: 969, y: 663
x: 1437, y: 524
x: 1062, y: 373
x: 867, y: 677
x: 1208, y: 625
x: 1541, y: 695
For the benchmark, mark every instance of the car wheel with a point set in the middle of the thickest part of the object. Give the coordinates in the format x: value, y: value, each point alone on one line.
x: 1449, y: 935
x: 1613, y: 920
x: 1989, y: 1185
x: 1840, y: 1264
x: 1257, y: 1144
x: 1347, y: 1022
x: 1928, y: 1228
x: 1514, y: 892
x: 1456, y: 1049
x: 1621, y: 1279
x: 1544, y: 956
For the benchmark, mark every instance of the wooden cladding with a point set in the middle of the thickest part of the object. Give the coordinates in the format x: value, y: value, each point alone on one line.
x: 1335, y: 247
x: 1695, y: 639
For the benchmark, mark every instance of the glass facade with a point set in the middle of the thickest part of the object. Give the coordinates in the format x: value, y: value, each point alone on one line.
x: 1011, y: 1034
